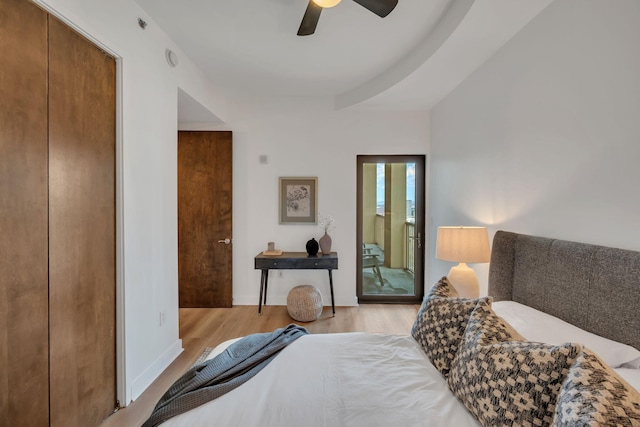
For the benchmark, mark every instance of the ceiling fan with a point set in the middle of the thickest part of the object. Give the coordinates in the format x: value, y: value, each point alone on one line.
x: 311, y: 16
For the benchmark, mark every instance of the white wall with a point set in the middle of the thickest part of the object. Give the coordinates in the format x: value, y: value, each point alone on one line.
x: 544, y: 138
x: 300, y: 138
x: 147, y: 217
x: 309, y: 141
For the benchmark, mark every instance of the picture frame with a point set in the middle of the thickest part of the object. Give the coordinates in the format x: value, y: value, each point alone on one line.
x: 298, y: 200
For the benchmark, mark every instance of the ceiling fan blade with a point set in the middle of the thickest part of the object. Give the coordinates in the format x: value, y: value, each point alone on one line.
x: 310, y: 19
x: 380, y: 7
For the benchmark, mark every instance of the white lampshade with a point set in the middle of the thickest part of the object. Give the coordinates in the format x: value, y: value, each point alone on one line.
x: 326, y: 3
x: 463, y: 244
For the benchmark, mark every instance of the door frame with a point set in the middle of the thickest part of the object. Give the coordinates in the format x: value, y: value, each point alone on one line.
x: 420, y: 161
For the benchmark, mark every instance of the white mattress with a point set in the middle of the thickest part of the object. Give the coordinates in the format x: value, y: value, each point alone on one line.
x: 351, y: 379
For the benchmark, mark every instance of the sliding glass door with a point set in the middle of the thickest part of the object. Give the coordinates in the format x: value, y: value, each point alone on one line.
x: 390, y: 231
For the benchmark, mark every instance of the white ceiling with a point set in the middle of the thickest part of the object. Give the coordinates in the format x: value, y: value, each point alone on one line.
x: 410, y: 59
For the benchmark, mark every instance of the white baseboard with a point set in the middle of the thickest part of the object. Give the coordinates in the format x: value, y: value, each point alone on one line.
x: 144, y: 380
x: 282, y: 300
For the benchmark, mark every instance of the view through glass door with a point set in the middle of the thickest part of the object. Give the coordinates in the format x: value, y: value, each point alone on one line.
x: 390, y: 217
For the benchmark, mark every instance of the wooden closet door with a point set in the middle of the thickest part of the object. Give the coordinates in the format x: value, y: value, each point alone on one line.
x: 81, y: 229
x: 24, y: 335
x: 204, y: 218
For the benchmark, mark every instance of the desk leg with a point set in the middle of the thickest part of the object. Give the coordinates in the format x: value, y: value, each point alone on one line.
x: 263, y: 285
x: 266, y: 282
x: 333, y: 306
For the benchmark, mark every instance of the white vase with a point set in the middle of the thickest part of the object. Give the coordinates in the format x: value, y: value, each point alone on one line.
x: 325, y: 244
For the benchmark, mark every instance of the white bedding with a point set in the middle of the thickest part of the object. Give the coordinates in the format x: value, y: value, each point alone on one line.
x: 350, y: 379
x: 534, y: 325
x: 630, y: 375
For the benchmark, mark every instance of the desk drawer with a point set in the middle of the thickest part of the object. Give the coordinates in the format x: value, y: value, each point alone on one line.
x: 319, y: 263
x: 276, y: 264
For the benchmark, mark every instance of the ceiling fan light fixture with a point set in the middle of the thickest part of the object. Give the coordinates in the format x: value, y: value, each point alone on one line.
x: 312, y: 14
x: 326, y: 3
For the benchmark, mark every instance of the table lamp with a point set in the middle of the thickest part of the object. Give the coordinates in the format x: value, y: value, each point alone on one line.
x: 463, y: 244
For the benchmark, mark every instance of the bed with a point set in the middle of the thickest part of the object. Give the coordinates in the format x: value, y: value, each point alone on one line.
x: 358, y: 379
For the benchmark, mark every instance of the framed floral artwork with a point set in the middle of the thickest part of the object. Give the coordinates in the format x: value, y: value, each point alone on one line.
x: 298, y: 197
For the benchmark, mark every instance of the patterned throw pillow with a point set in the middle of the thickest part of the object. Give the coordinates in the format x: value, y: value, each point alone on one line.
x: 504, y: 381
x: 443, y: 288
x: 594, y: 395
x: 441, y: 322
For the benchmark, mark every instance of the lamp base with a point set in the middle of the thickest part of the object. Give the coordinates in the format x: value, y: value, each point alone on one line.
x: 464, y: 279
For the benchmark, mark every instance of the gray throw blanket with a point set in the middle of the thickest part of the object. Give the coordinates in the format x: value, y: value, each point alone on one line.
x: 237, y: 364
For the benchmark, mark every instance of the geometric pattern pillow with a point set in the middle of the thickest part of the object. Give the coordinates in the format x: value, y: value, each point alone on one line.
x: 489, y: 328
x: 504, y: 381
x: 594, y: 395
x: 443, y: 288
x: 440, y: 324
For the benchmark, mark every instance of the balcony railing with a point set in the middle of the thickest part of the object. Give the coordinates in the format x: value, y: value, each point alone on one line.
x: 410, y: 248
x: 409, y: 241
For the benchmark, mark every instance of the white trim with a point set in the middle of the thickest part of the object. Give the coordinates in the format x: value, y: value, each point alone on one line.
x: 144, y: 380
x: 47, y: 8
x: 444, y: 28
x: 121, y: 365
x: 282, y: 300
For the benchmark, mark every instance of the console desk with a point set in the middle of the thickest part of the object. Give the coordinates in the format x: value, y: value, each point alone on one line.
x: 294, y: 261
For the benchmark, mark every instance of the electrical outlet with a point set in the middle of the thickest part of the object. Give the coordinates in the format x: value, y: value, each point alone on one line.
x: 162, y: 318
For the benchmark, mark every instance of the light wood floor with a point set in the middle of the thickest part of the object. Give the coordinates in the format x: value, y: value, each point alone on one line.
x: 208, y: 327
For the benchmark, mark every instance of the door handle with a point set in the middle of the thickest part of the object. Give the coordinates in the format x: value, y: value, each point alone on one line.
x: 225, y: 241
x: 419, y: 239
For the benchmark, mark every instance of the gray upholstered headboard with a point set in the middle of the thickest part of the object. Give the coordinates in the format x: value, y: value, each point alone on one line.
x: 594, y: 287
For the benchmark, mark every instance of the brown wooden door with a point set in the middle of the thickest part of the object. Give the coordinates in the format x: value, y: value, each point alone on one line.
x: 24, y: 337
x: 204, y: 218
x: 81, y: 229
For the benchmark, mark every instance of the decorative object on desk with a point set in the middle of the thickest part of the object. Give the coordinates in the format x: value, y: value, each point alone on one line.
x: 298, y: 200
x: 304, y: 303
x: 463, y: 244
x: 326, y: 223
x: 275, y: 252
x: 325, y: 244
x: 312, y: 247
x: 271, y: 250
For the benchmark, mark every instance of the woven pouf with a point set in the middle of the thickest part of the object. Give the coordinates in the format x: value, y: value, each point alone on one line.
x: 304, y: 303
